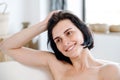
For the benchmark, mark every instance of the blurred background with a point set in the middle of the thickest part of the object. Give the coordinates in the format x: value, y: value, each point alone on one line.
x: 101, y: 16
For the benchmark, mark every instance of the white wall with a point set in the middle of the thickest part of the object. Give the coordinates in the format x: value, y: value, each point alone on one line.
x: 21, y: 11
x: 31, y: 11
x: 44, y: 10
x: 107, y: 46
x: 75, y: 6
x: 15, y: 11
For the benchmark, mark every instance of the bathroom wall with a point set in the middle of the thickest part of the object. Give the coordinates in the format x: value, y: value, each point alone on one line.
x: 107, y: 46
x: 21, y: 11
x: 15, y: 10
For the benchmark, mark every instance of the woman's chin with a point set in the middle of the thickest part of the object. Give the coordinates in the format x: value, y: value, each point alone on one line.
x: 74, y: 56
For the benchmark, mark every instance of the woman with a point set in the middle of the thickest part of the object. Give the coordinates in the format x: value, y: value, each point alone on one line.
x: 71, y: 42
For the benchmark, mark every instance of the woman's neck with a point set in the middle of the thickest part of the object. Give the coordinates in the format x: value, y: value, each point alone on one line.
x: 83, y: 61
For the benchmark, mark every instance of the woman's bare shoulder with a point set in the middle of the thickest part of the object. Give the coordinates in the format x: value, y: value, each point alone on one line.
x: 55, y: 64
x: 110, y: 71
x: 51, y: 57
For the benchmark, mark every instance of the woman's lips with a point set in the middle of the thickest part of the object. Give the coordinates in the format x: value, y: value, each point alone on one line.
x: 70, y: 48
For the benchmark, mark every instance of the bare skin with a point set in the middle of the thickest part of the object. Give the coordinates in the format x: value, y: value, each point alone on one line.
x: 84, y: 67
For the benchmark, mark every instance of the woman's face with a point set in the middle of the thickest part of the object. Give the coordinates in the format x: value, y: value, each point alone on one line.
x: 68, y: 38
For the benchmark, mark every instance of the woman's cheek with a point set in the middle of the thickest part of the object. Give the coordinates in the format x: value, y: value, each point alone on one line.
x: 80, y: 40
x: 59, y: 47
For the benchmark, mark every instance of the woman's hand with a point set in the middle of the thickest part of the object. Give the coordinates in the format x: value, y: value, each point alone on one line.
x: 45, y: 21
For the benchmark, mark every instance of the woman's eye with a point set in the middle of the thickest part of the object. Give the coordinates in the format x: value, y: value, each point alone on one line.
x: 69, y: 33
x: 57, y: 41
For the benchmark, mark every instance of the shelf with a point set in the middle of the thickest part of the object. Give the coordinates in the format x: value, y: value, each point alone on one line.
x: 109, y: 34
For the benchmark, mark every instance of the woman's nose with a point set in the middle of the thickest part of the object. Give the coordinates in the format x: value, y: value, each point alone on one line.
x: 66, y: 41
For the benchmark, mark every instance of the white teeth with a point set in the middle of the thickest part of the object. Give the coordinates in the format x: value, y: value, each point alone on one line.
x: 70, y: 48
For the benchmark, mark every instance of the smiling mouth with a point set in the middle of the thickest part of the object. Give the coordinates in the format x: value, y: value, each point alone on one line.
x: 70, y: 48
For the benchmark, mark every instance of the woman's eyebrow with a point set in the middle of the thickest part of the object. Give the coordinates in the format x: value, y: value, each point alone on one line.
x: 64, y: 32
x: 67, y: 30
x: 55, y: 38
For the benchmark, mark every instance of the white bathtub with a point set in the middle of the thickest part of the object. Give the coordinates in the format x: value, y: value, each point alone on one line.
x: 13, y: 70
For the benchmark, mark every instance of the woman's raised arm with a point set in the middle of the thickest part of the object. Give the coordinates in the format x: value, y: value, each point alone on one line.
x: 13, y: 46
